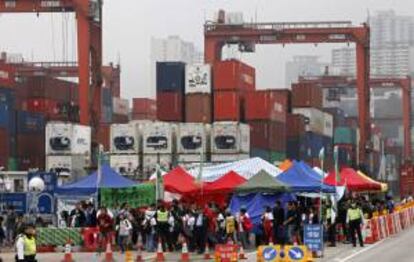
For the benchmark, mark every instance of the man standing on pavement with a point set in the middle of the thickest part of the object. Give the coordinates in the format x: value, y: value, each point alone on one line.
x: 26, y: 245
x: 330, y: 224
x: 278, y: 218
x: 355, y: 219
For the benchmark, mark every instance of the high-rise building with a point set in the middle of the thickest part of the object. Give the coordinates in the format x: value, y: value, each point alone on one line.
x: 172, y: 49
x: 304, y: 65
x: 392, y: 47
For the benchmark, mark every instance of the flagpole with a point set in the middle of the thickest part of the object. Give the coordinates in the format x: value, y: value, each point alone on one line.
x: 321, y: 159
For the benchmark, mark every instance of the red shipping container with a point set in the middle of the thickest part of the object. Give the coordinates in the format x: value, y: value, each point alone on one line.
x: 31, y: 161
x: 4, y: 147
x: 7, y: 74
x: 170, y: 106
x: 198, y: 108
x: 306, y: 95
x: 227, y: 106
x: 120, y: 119
x: 144, y: 106
x: 267, y: 105
x: 103, y: 136
x: 36, y: 142
x: 42, y: 105
x: 295, y: 125
x: 137, y: 116
x: 269, y: 135
x: 51, y: 88
x: 233, y: 75
x: 112, y: 79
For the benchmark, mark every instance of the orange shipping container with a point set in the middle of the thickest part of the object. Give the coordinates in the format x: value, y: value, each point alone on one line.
x: 233, y: 75
x: 267, y: 105
x: 227, y: 106
x: 306, y: 95
x: 144, y: 106
x: 198, y: 108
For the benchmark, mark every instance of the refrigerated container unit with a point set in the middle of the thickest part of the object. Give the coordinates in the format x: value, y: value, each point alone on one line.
x: 150, y: 161
x: 230, y: 138
x: 158, y: 138
x: 198, y: 79
x: 72, y: 167
x: 192, y: 142
x: 127, y: 165
x: 125, y: 139
x: 68, y: 139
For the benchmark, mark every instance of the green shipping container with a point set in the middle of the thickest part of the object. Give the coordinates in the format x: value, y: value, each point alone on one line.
x: 270, y: 156
x: 12, y: 164
x: 344, y: 135
x: 277, y: 156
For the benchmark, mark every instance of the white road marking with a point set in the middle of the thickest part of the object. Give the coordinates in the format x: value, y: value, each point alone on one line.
x: 360, y: 251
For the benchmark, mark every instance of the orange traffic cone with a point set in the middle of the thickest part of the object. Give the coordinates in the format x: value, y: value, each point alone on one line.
x: 242, y: 255
x: 109, y: 257
x: 68, y: 252
x: 207, y: 253
x: 160, y: 252
x: 185, y: 257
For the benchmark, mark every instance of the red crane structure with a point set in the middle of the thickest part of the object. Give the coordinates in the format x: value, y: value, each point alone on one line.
x: 247, y: 35
x: 89, y: 44
x: 404, y: 83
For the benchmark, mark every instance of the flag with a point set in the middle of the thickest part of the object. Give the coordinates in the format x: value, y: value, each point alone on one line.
x: 337, y: 174
x: 159, y: 184
x: 322, y: 156
x: 382, y: 169
x: 99, y: 173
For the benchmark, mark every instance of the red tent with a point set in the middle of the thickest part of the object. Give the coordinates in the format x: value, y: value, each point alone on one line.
x: 179, y: 181
x: 352, y: 180
x: 224, y: 184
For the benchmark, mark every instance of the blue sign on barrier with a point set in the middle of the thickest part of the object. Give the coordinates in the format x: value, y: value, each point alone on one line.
x: 313, y: 237
x: 269, y: 254
x: 296, y: 253
x: 16, y: 200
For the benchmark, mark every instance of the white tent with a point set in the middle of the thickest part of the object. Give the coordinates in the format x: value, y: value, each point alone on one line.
x: 245, y: 168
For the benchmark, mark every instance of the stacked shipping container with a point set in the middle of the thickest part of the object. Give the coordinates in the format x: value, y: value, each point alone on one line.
x: 7, y: 125
x: 144, y: 109
x: 232, y: 79
x: 266, y: 113
x: 170, y: 91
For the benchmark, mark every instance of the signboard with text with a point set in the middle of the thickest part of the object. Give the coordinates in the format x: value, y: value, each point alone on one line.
x: 313, y: 237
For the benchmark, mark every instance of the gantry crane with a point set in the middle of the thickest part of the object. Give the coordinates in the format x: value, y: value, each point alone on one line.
x: 89, y: 44
x: 403, y: 83
x: 218, y: 34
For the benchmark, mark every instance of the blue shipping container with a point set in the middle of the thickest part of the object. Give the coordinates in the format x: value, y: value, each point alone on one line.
x: 106, y: 97
x: 30, y: 123
x: 7, y: 97
x: 308, y: 146
x: 8, y: 118
x: 171, y: 77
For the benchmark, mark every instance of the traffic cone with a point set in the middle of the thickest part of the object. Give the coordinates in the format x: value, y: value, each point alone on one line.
x: 160, y: 252
x: 128, y: 256
x: 109, y: 257
x: 242, y: 255
x: 68, y: 252
x: 207, y: 253
x: 185, y: 257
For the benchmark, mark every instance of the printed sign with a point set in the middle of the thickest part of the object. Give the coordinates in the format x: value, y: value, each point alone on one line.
x: 269, y: 254
x: 296, y: 253
x: 16, y: 200
x: 313, y: 237
x: 226, y: 253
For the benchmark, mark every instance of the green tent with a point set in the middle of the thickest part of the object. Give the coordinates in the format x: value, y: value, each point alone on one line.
x: 262, y: 182
x: 136, y: 196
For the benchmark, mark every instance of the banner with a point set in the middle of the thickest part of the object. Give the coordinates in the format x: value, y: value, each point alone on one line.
x: 16, y: 200
x: 137, y: 196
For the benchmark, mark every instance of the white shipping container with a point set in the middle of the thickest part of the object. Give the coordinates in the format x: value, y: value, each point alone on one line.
x: 67, y: 139
x: 125, y: 138
x: 190, y: 158
x: 192, y: 138
x: 225, y: 158
x: 234, y: 18
x: 74, y: 165
x: 198, y: 79
x: 230, y: 138
x: 328, y: 125
x: 120, y: 106
x: 316, y: 119
x: 124, y: 164
x: 158, y: 138
x: 149, y: 162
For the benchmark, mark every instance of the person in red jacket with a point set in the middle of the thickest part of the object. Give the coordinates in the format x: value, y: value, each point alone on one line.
x: 105, y: 224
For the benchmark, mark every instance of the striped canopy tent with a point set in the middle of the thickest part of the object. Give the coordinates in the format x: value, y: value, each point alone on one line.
x: 246, y: 168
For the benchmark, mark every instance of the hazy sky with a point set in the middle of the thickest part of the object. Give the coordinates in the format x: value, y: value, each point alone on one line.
x: 129, y: 25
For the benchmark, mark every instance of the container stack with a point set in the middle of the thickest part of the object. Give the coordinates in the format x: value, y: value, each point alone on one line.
x: 7, y: 125
x: 30, y: 140
x: 307, y: 101
x: 158, y: 141
x: 266, y: 113
x: 107, y: 106
x: 120, y: 110
x: 198, y: 89
x: 170, y: 91
x: 125, y: 148
x: 144, y: 109
x: 232, y: 79
x: 68, y: 149
x: 192, y: 143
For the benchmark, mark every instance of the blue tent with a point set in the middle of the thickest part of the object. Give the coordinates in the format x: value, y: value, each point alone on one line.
x: 255, y: 203
x: 88, y: 185
x: 303, y: 179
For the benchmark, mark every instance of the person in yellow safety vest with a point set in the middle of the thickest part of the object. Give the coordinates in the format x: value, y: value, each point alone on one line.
x: 162, y: 225
x: 354, y: 218
x: 26, y: 245
x: 330, y: 217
